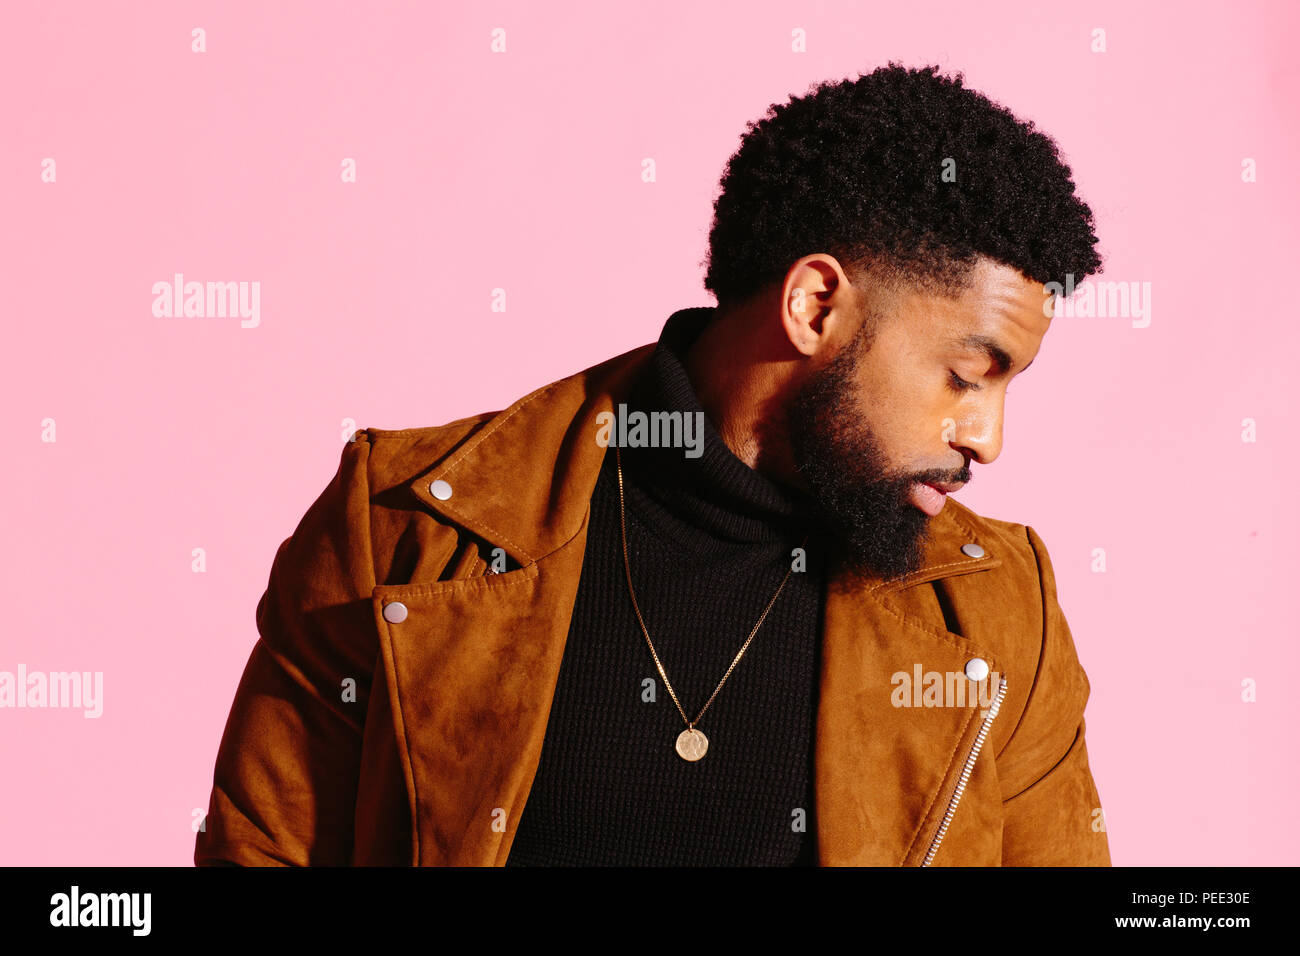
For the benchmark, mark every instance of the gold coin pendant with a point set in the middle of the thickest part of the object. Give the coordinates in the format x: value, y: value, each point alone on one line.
x: 691, y: 745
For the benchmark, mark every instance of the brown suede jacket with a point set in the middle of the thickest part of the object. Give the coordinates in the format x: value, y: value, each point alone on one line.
x: 394, y: 708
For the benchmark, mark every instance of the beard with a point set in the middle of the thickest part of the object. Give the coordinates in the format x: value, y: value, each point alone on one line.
x: 855, y: 500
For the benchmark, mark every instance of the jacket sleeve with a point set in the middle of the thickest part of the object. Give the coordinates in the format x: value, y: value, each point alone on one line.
x: 1051, y: 809
x: 284, y: 787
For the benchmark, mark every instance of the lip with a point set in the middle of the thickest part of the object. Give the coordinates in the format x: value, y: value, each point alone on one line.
x: 945, y: 487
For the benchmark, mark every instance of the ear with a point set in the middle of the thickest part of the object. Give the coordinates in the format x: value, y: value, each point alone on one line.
x: 816, y: 296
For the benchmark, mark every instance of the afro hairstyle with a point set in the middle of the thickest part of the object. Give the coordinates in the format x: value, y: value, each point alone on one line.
x: 903, y: 174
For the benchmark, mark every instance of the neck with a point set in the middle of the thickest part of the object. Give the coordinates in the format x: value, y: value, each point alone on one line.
x: 741, y: 374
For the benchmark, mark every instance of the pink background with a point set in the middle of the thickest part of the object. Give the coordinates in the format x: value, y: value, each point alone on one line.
x: 522, y: 171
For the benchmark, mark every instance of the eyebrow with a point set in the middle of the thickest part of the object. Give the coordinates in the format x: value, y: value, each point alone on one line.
x: 990, y: 347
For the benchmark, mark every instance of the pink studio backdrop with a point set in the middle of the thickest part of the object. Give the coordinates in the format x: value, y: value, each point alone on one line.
x: 521, y: 170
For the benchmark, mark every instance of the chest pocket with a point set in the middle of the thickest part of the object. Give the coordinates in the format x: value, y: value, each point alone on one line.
x: 929, y: 602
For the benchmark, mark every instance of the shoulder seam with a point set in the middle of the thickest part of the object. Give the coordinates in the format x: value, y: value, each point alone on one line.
x: 371, y: 433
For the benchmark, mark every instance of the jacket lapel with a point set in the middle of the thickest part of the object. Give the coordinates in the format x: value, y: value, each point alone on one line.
x: 471, y: 670
x: 472, y: 666
x: 884, y: 772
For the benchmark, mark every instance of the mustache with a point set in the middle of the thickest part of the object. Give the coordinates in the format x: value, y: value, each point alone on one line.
x: 962, y: 477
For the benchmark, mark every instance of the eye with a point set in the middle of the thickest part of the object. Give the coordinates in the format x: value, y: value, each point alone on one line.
x: 959, y: 384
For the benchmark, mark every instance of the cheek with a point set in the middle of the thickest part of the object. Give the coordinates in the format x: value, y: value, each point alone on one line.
x: 906, y: 404
x: 912, y: 419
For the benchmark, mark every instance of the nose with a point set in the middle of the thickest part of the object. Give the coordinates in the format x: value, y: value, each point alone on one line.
x: 979, y: 436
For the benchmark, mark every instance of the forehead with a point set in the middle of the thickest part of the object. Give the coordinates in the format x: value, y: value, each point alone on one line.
x: 1000, y: 307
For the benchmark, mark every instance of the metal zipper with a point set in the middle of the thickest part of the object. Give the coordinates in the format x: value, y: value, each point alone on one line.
x: 965, y: 773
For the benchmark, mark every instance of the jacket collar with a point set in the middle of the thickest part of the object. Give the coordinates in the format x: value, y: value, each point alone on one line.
x: 524, y: 481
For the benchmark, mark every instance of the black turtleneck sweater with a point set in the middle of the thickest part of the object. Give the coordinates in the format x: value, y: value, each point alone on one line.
x: 709, y: 540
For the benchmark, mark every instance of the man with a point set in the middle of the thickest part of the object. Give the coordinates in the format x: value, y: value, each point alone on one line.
x: 706, y: 602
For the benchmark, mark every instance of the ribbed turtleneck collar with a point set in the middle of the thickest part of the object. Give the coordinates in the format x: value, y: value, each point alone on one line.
x: 716, y: 493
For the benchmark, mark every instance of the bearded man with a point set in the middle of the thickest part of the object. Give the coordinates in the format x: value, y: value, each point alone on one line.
x: 707, y: 603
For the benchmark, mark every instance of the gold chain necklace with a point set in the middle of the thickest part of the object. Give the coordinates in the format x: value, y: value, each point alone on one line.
x: 691, y: 743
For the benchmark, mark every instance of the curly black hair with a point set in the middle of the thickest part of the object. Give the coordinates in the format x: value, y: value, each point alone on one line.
x: 856, y: 169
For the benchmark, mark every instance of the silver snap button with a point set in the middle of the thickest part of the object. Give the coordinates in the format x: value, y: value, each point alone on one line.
x: 440, y: 490
x: 394, y: 612
x: 977, y: 668
x: 972, y: 550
